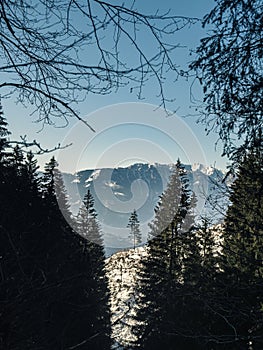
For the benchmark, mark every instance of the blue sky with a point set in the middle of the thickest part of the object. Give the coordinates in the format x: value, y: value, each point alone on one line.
x: 126, y: 133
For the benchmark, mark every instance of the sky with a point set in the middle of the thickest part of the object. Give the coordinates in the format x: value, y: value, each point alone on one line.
x: 129, y: 130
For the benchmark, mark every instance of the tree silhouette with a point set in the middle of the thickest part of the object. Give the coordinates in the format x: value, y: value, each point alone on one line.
x: 4, y: 133
x: 134, y: 226
x: 160, y: 319
x: 242, y: 252
x: 53, y: 289
x: 88, y: 227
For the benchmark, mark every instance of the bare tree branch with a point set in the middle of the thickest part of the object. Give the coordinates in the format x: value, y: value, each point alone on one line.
x: 40, y: 150
x: 55, y: 54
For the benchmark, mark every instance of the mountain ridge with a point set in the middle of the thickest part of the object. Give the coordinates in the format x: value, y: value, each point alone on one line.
x: 118, y: 191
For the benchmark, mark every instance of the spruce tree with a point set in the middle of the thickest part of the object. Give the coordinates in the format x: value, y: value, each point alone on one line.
x: 77, y: 312
x: 48, y: 181
x: 88, y: 227
x: 87, y: 224
x: 51, y: 294
x: 210, y: 250
x: 200, y: 277
x: 31, y: 170
x: 62, y: 197
x: 8, y: 265
x: 21, y: 278
x: 161, y: 316
x: 192, y: 258
x: 4, y: 133
x: 134, y: 226
x: 243, y: 254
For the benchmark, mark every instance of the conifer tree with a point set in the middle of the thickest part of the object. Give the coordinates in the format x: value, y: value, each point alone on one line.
x: 20, y: 320
x: 4, y: 133
x: 243, y: 254
x: 210, y: 247
x: 200, y: 271
x: 80, y: 303
x: 135, y: 232
x: 17, y: 159
x: 88, y: 227
x: 31, y: 172
x: 162, y: 276
x: 62, y: 197
x: 48, y: 181
x: 6, y: 252
x: 192, y: 259
x: 51, y: 296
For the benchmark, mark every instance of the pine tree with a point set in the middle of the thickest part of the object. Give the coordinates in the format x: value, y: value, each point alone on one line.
x: 48, y: 181
x: 8, y: 261
x: 20, y: 320
x: 80, y: 303
x: 31, y: 169
x: 4, y: 133
x: 135, y: 232
x: 62, y: 197
x: 162, y: 314
x: 192, y: 259
x: 88, y: 227
x: 243, y: 254
x: 200, y: 290
x: 51, y: 293
x: 4, y: 176
x: 210, y: 248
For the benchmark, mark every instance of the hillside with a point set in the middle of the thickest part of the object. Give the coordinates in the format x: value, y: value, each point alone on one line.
x: 122, y: 271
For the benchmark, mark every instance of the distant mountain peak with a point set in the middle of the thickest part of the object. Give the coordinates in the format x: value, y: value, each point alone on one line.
x: 118, y: 191
x: 207, y: 170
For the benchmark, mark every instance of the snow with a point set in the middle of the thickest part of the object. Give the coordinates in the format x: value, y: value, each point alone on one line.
x: 122, y: 271
x: 119, y: 194
x: 113, y: 185
x: 93, y: 176
x: 207, y: 170
x: 96, y: 174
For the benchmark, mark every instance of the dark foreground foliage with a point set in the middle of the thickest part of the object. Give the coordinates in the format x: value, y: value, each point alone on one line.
x: 53, y: 289
x: 202, y: 288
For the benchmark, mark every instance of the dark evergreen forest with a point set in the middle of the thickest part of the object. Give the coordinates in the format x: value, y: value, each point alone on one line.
x: 53, y: 288
x: 198, y: 292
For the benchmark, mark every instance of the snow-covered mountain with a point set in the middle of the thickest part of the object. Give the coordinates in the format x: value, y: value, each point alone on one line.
x: 117, y: 192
